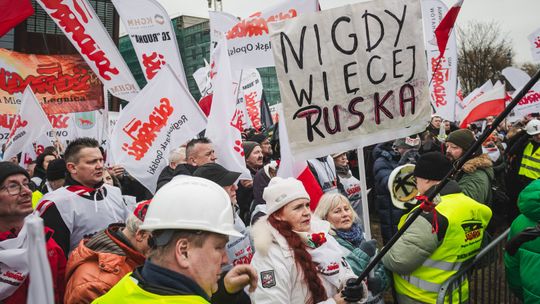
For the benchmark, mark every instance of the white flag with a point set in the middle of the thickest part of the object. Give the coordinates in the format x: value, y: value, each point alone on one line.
x: 31, y: 151
x: 530, y: 103
x: 252, y: 90
x: 82, y: 26
x: 152, y: 35
x: 161, y: 118
x: 30, y: 123
x: 225, y: 119
x: 534, y: 40
x: 40, y: 289
x: 442, y: 70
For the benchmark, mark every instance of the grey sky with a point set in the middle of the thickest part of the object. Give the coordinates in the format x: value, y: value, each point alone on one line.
x: 518, y: 18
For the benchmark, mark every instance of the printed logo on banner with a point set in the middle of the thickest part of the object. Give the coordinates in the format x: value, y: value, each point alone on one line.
x: 85, y: 120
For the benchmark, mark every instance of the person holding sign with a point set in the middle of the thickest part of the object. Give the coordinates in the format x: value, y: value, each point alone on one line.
x: 295, y: 257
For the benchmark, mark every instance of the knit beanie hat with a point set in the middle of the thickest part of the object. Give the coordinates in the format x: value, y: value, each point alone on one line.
x: 248, y: 147
x: 462, y: 138
x: 56, y: 169
x: 8, y: 169
x: 258, y: 138
x: 281, y: 191
x: 432, y: 166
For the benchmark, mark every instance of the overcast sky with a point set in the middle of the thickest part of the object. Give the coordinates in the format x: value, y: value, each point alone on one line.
x: 518, y: 18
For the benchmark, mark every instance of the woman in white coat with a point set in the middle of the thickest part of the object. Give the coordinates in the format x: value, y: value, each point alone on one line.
x: 295, y: 257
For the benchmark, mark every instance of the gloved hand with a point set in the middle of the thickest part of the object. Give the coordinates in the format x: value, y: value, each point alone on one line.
x: 369, y: 247
x: 354, y: 292
x: 375, y: 285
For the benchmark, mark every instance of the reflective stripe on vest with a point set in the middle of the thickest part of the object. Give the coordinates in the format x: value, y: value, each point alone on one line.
x: 530, y: 162
x: 467, y: 220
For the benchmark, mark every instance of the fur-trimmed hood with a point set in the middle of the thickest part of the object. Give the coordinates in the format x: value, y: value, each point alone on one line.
x: 264, y: 235
x: 479, y: 162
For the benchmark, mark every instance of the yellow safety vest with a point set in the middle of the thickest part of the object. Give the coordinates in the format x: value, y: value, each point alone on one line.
x: 530, y: 162
x: 467, y: 220
x: 36, y: 196
x: 128, y: 291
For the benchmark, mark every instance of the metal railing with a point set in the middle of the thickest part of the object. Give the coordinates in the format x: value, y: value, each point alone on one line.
x: 486, y: 276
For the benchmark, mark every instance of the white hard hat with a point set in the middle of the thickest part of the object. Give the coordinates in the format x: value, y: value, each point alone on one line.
x: 533, y: 127
x: 191, y: 203
x: 402, y: 186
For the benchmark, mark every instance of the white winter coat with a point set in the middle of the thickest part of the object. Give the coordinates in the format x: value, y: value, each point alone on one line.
x: 279, y: 278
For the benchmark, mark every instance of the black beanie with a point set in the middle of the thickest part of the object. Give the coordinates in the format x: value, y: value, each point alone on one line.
x: 248, y: 147
x: 462, y: 138
x: 56, y: 169
x: 258, y: 138
x: 8, y: 169
x: 432, y: 166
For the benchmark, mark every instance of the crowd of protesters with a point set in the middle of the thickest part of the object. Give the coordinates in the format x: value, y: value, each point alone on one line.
x: 208, y: 237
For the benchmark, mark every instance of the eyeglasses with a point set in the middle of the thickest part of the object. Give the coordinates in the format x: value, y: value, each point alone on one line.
x: 15, y: 189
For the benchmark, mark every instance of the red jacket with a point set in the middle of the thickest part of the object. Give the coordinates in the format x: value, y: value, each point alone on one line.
x: 57, y: 261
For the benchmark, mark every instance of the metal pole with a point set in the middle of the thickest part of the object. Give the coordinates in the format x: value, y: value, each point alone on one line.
x: 446, y: 179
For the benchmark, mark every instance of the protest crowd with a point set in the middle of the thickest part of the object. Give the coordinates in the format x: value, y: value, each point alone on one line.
x: 206, y: 202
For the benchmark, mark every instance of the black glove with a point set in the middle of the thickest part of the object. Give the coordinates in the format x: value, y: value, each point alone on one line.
x: 353, y: 291
x: 369, y: 247
x: 375, y: 285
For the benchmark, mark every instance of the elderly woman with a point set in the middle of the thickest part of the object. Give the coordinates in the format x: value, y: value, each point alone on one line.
x: 297, y: 260
x: 337, y: 210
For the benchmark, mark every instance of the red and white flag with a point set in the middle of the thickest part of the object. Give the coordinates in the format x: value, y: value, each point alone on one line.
x: 152, y: 35
x: 248, y: 39
x: 31, y: 123
x: 530, y: 103
x: 490, y: 103
x: 31, y: 151
x: 289, y: 167
x: 82, y: 26
x: 442, y: 32
x: 162, y: 117
x: 225, y: 121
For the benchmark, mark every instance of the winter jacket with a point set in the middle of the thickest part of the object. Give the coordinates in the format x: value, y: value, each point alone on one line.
x: 75, y: 211
x: 98, y: 264
x: 358, y: 260
x: 523, y: 268
x: 386, y: 160
x: 244, y: 197
x: 57, y: 262
x: 280, y: 280
x: 260, y: 181
x: 476, y: 178
x: 165, y: 176
x: 168, y: 174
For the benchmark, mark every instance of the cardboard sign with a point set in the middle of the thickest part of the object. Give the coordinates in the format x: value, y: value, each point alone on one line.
x: 352, y: 76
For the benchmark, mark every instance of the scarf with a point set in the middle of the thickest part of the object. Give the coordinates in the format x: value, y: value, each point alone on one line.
x: 355, y: 235
x: 343, y: 171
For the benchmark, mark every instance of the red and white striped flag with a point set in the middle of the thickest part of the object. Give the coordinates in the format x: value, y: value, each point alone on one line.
x: 491, y: 103
x: 442, y: 32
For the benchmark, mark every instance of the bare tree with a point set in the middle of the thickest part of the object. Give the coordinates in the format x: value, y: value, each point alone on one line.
x: 530, y: 68
x: 484, y: 51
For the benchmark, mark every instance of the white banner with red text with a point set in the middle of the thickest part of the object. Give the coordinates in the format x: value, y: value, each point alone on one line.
x: 152, y: 35
x: 82, y: 26
x: 352, y: 76
x: 248, y: 41
x: 441, y: 70
x: 530, y: 103
x: 161, y: 118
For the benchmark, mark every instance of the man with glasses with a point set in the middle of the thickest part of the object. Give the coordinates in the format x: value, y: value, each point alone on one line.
x: 15, y: 205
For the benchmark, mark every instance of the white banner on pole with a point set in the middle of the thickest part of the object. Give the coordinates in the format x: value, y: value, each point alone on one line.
x: 352, y: 76
x: 30, y: 123
x: 530, y: 103
x: 443, y: 71
x: 534, y: 40
x: 161, y: 118
x: 82, y: 26
x: 248, y: 41
x: 225, y: 119
x: 152, y: 35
